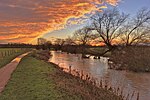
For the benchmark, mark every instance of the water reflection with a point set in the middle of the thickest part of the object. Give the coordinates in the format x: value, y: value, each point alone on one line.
x: 98, y: 68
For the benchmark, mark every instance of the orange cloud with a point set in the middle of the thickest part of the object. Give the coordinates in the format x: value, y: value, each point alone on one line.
x: 25, y: 20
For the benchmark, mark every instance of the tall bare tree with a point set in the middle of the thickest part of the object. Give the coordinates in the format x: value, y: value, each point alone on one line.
x: 107, y: 24
x: 137, y: 29
x: 59, y: 43
x: 69, y: 41
x: 83, y: 37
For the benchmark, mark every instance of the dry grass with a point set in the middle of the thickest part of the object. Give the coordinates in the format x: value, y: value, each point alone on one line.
x: 83, y: 89
x: 134, y: 58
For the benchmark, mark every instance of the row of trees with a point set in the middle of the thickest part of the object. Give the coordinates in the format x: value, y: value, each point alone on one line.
x: 111, y: 28
x: 17, y: 45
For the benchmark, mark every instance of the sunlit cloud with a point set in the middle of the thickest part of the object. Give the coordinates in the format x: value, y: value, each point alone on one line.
x: 25, y: 20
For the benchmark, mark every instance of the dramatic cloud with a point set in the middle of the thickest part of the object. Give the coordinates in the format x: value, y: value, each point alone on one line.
x: 24, y: 20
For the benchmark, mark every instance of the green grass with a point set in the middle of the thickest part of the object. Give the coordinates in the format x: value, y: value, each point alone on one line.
x: 8, y: 54
x: 38, y: 80
x: 30, y: 82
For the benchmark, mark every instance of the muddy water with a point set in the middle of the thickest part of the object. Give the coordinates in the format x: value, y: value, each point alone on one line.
x: 98, y: 68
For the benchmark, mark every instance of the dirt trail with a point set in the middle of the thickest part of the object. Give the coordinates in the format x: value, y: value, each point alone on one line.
x: 7, y: 70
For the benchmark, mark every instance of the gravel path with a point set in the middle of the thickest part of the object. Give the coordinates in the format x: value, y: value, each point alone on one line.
x: 7, y: 70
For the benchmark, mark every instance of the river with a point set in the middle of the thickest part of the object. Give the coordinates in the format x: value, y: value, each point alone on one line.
x: 98, y: 68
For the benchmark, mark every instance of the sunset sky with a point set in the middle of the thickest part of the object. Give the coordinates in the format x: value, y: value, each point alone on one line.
x: 26, y: 20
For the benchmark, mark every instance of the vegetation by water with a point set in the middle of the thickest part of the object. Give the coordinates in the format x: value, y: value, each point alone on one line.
x: 111, y: 29
x: 133, y: 58
x: 8, y: 54
x: 36, y: 79
x: 89, y: 50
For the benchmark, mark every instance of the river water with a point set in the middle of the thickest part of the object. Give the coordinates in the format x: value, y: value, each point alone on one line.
x: 98, y: 68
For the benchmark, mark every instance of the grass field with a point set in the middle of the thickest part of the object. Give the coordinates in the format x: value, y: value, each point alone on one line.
x: 8, y: 54
x: 37, y: 80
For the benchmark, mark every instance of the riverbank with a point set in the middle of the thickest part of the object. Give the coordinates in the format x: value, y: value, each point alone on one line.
x: 37, y: 79
x: 132, y: 58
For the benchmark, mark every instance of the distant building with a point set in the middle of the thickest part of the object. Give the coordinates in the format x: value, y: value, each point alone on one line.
x: 41, y: 41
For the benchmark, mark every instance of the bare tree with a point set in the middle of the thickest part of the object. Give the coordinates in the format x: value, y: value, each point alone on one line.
x: 59, y: 43
x: 107, y: 24
x: 69, y: 41
x: 83, y: 36
x: 137, y: 29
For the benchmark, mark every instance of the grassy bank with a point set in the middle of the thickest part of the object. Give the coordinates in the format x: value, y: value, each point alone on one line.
x: 8, y: 54
x: 133, y: 58
x: 37, y: 80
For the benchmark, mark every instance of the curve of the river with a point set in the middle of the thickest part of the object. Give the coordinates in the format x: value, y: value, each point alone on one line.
x: 98, y: 68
